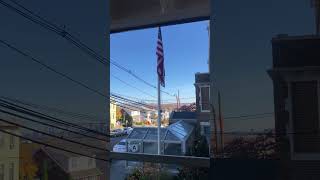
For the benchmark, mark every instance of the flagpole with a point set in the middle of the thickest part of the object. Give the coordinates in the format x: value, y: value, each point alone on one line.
x: 159, y: 116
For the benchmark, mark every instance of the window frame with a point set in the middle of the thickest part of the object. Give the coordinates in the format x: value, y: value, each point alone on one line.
x: 74, y: 162
x: 2, y: 139
x: 12, y: 142
x: 200, y: 97
x: 2, y: 170
x: 11, y: 171
x: 292, y: 78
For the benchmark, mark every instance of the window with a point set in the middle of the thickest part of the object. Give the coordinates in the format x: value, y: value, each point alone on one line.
x: 204, y: 98
x: 90, y: 162
x: 74, y: 162
x: 12, y: 140
x: 206, y: 130
x: 1, y: 140
x: 1, y: 171
x: 305, y: 116
x: 11, y: 171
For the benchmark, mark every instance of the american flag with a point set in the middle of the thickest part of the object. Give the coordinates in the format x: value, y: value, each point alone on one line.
x: 160, y: 61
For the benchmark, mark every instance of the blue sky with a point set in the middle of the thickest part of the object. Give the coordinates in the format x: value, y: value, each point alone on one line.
x: 186, y: 52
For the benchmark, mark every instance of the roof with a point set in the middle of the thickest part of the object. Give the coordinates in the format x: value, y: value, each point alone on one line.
x: 59, y: 157
x: 131, y: 15
x: 183, y: 115
x: 202, y: 78
x: 86, y: 173
x: 181, y: 130
x: 4, y: 125
x: 296, y: 51
x: 178, y: 132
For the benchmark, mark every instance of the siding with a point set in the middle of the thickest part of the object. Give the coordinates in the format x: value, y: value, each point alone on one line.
x: 305, y: 116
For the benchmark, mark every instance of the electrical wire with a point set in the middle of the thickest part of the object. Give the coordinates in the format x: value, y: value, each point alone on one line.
x: 46, y: 124
x: 62, y: 32
x: 65, y: 75
x: 51, y: 146
x: 48, y: 118
x: 51, y: 135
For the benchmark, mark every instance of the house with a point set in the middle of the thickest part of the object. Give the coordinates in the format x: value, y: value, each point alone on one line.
x: 137, y: 116
x: 296, y: 87
x: 9, y: 153
x: 202, y: 89
x: 62, y: 165
x: 113, y: 115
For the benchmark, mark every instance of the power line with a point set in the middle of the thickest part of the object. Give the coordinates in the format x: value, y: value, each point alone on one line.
x: 52, y: 109
x: 249, y: 115
x: 46, y: 124
x: 124, y: 82
x: 51, y: 135
x: 128, y: 100
x: 52, y: 146
x: 63, y: 33
x: 49, y: 118
x: 61, y: 74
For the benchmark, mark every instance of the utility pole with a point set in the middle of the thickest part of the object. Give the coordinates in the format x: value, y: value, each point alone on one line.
x: 178, y: 99
x: 316, y: 6
x: 177, y: 102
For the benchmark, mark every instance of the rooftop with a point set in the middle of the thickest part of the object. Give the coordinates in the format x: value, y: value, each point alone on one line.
x: 184, y: 115
x: 177, y: 132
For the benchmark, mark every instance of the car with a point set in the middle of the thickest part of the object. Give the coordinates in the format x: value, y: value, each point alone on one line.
x: 120, y: 146
x: 117, y: 132
x: 127, y: 130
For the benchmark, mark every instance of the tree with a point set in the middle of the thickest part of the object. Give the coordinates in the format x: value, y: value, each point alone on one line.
x: 262, y: 146
x: 200, y: 149
x: 28, y: 168
x: 119, y: 113
x: 126, y: 120
x: 191, y: 107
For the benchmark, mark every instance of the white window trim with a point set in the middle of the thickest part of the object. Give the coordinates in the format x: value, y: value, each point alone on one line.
x: 200, y: 97
x: 290, y: 128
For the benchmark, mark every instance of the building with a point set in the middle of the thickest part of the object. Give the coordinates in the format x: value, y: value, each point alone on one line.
x: 9, y: 153
x: 176, y: 139
x: 190, y: 117
x: 63, y: 165
x: 113, y: 115
x: 202, y: 89
x: 137, y: 116
x: 296, y: 86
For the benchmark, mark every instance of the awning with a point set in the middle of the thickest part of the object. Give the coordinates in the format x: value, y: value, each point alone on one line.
x: 138, y: 14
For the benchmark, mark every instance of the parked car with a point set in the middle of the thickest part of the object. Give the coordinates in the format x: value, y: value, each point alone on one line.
x: 117, y: 132
x: 127, y: 130
x: 120, y: 146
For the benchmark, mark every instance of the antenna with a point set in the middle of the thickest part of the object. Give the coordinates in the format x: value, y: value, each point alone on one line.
x: 316, y: 6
